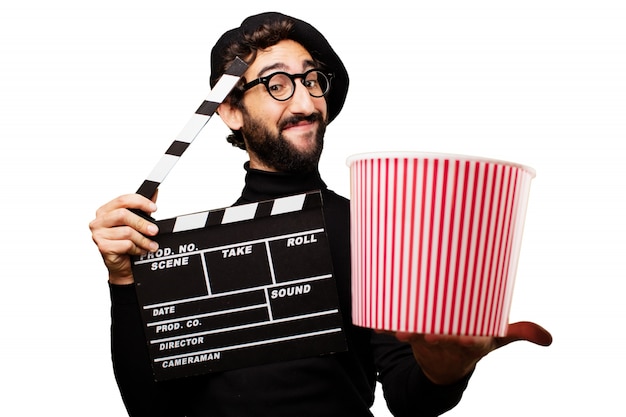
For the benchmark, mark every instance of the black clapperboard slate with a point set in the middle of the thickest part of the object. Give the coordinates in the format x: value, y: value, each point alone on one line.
x: 240, y: 286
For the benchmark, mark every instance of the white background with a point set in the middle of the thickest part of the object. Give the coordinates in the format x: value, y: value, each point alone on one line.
x: 92, y: 93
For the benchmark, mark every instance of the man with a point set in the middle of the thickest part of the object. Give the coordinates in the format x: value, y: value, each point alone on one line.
x: 294, y: 87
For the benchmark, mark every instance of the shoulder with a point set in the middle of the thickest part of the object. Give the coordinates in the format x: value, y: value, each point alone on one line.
x: 333, y: 198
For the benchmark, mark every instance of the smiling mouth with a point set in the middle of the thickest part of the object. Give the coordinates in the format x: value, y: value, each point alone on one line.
x: 296, y: 125
x: 301, y: 121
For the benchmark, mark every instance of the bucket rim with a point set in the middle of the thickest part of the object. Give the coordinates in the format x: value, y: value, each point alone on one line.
x: 435, y: 155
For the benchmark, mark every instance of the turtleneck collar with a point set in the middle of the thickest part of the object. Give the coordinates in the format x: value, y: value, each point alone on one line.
x: 265, y: 185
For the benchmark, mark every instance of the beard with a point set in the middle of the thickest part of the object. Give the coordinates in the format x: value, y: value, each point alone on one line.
x: 275, y: 151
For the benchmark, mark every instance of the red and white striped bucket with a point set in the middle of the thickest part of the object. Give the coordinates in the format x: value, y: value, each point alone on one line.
x: 435, y: 241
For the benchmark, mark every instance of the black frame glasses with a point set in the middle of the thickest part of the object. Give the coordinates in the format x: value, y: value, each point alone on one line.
x: 316, y: 81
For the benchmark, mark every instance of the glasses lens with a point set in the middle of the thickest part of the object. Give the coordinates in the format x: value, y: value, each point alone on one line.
x: 317, y: 83
x: 280, y: 86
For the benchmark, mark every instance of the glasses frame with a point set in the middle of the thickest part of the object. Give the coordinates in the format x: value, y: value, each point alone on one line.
x: 266, y: 80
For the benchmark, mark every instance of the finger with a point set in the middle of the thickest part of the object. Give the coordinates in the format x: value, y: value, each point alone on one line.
x: 128, y: 201
x: 405, y: 336
x: 527, y: 331
x: 467, y: 341
x: 437, y: 339
x: 122, y: 232
x: 124, y: 240
x: 429, y: 338
x: 122, y: 217
x: 113, y: 249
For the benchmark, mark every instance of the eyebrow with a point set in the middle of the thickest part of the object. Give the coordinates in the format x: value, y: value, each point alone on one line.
x: 307, y: 63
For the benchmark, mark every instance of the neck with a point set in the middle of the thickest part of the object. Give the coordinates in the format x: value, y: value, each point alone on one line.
x: 265, y: 185
x: 256, y: 164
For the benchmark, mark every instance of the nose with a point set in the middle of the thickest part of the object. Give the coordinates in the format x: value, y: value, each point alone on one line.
x: 302, y: 102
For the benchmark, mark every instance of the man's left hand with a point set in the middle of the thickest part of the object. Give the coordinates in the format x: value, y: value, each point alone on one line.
x: 446, y: 359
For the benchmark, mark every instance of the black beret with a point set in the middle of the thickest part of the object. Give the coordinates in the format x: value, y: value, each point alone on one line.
x: 304, y: 34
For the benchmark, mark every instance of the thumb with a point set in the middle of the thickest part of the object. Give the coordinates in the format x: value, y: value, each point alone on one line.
x: 528, y: 331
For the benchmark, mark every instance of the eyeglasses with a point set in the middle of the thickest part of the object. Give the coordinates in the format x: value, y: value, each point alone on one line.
x: 282, y: 85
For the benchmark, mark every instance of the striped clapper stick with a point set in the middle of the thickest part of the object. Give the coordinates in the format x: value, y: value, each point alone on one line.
x: 193, y: 127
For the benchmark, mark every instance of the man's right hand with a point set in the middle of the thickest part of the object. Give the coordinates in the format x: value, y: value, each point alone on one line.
x: 119, y: 233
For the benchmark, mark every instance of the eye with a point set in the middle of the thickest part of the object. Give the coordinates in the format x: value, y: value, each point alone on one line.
x: 279, y: 84
x: 316, y: 82
x: 275, y: 87
x: 309, y: 83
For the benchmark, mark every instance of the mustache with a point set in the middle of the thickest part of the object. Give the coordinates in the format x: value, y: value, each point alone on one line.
x: 293, y: 120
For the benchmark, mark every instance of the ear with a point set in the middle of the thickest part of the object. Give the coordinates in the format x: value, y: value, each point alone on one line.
x: 230, y: 115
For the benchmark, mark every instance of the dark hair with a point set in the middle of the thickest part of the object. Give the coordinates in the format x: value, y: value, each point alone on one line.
x: 265, y: 36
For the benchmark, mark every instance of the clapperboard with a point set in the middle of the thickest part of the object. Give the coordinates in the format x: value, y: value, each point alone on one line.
x: 239, y: 286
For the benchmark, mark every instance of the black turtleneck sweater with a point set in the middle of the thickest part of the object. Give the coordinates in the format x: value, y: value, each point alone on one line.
x: 340, y: 384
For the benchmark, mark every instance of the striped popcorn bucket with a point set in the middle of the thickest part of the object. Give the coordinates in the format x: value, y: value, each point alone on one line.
x: 435, y: 241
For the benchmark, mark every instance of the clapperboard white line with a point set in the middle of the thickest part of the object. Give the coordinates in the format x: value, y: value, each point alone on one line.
x: 252, y: 344
x: 235, y: 292
x: 148, y: 260
x: 246, y: 326
x: 193, y: 127
x: 268, y: 251
x: 266, y: 291
x: 207, y: 282
x: 235, y: 214
x: 267, y: 305
x: 205, y: 315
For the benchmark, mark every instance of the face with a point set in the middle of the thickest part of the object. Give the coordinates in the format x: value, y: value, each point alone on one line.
x: 282, y: 135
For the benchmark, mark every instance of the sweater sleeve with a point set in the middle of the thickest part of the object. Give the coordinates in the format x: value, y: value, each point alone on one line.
x: 142, y: 396
x: 407, y: 390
